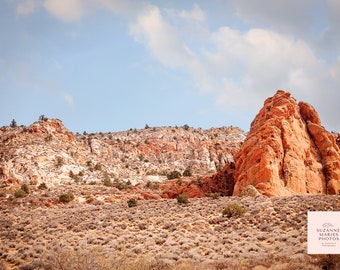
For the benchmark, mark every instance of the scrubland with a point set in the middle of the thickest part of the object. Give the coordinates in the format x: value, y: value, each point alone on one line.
x: 38, y: 232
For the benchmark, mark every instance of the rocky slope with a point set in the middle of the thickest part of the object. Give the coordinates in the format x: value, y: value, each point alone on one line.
x: 288, y: 152
x: 47, y: 152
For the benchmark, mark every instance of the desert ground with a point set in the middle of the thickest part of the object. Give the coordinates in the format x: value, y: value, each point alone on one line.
x: 98, y: 231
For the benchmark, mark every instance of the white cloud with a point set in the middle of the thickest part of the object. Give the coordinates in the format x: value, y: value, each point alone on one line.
x: 69, y: 99
x: 241, y: 69
x: 196, y: 14
x: 66, y: 10
x: 161, y: 39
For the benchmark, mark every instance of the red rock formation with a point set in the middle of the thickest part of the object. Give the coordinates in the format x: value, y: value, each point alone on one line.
x: 287, y: 152
x: 330, y: 155
x: 221, y: 182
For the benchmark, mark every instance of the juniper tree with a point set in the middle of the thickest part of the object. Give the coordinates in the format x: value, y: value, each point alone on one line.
x: 13, y: 124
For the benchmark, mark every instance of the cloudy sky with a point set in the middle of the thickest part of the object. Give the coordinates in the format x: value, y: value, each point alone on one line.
x: 112, y: 65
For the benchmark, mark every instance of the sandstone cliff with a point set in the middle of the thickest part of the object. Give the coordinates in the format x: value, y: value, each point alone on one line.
x: 287, y: 151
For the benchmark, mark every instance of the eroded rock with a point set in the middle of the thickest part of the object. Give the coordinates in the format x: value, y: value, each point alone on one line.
x: 288, y: 152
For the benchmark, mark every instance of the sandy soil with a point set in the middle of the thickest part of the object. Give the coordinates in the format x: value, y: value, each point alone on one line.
x: 272, y: 234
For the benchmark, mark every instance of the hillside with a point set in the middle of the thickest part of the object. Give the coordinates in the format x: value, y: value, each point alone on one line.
x: 159, y: 234
x: 47, y: 152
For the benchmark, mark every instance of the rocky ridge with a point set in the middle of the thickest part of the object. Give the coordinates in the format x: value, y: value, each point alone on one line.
x: 46, y: 152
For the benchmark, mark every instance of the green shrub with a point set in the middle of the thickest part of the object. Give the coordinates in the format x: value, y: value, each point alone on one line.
x: 25, y: 188
x: 107, y: 181
x: 59, y: 162
x: 183, y: 199
x: 250, y: 191
x: 49, y: 138
x: 74, y: 176
x: 186, y: 127
x: 179, y: 182
x: 98, y: 166
x: 215, y: 195
x: 152, y: 185
x: 200, y: 182
x: 66, y: 197
x: 42, y: 186
x: 43, y: 118
x: 233, y: 210
x: 132, y: 202
x: 173, y: 175
x: 187, y: 172
x: 121, y: 185
x: 19, y: 193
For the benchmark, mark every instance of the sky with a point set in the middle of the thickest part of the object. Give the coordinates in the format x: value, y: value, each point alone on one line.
x: 112, y: 65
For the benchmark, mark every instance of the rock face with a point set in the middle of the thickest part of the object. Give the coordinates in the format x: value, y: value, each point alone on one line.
x: 288, y: 152
x: 47, y: 152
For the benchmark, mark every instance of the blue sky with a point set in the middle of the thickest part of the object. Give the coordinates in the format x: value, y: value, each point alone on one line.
x: 112, y: 65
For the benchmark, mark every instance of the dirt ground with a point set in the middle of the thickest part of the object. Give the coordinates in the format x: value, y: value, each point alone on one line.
x: 159, y: 234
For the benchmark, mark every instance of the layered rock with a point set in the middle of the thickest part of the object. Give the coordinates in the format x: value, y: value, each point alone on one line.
x: 288, y: 152
x: 47, y: 152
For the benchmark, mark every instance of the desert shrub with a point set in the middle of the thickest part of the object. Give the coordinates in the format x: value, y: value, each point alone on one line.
x: 186, y: 127
x: 250, y: 191
x: 233, y: 210
x: 179, y: 182
x: 121, y: 185
x: 73, y: 176
x: 173, y: 175
x: 43, y: 118
x: 200, y: 182
x: 183, y: 199
x: 25, y: 188
x: 132, y: 202
x: 96, y: 258
x: 107, y: 181
x: 215, y: 195
x: 98, y: 166
x: 187, y: 172
x: 48, y: 138
x: 19, y: 193
x: 152, y: 185
x: 33, y: 182
x: 328, y: 261
x: 66, y: 197
x: 60, y: 161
